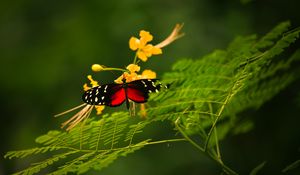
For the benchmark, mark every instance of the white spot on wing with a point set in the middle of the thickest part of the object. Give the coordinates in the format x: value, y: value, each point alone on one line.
x: 96, y: 99
x: 145, y: 85
x: 149, y: 91
x: 153, y: 84
x: 102, y: 97
x: 105, y: 89
x: 156, y: 90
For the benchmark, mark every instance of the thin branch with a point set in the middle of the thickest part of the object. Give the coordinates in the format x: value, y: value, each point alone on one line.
x: 186, y: 136
x: 133, y: 146
x: 216, y: 135
x: 113, y: 136
x: 226, y: 169
x: 131, y: 138
x: 229, y: 96
x: 99, y: 135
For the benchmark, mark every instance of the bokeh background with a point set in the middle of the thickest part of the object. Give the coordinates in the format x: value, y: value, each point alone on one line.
x: 47, y: 48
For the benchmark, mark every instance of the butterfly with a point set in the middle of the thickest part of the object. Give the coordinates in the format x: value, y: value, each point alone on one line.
x: 115, y: 94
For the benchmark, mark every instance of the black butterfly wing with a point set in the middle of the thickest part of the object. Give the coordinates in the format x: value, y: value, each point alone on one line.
x: 138, y: 90
x: 108, y: 94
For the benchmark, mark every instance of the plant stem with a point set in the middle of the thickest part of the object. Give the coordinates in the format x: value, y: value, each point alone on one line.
x: 187, y: 137
x: 165, y: 141
x: 129, y: 146
x: 216, y: 134
x: 116, y: 69
x: 226, y: 169
x: 229, y: 96
x: 135, y: 57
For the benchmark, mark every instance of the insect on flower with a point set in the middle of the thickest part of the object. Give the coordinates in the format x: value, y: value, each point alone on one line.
x: 130, y: 86
x: 116, y: 94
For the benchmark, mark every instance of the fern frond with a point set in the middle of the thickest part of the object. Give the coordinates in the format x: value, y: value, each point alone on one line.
x: 93, y: 145
x: 37, y: 167
x: 28, y: 152
x: 273, y: 35
x: 243, y: 76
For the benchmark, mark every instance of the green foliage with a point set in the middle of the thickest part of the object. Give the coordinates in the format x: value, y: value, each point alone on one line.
x: 292, y: 166
x: 204, y: 102
x: 257, y: 169
x: 94, y: 144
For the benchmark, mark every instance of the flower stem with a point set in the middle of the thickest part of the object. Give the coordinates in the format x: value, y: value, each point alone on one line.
x: 114, y: 69
x: 225, y: 168
x: 135, y: 59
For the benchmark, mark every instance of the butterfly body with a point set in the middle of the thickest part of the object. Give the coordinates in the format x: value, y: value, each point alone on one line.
x: 115, y: 94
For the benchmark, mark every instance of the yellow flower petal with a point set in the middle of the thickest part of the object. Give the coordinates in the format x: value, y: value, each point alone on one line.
x: 86, y: 87
x: 145, y: 36
x: 92, y: 82
x: 148, y: 48
x: 131, y: 77
x: 119, y: 80
x: 99, y: 109
x: 147, y: 73
x: 133, y: 68
x: 97, y: 67
x: 134, y: 43
x: 156, y: 50
x: 128, y: 77
x: 141, y: 55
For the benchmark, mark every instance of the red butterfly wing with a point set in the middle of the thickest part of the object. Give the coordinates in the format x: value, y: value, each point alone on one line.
x: 118, y: 97
x: 138, y: 90
x: 136, y: 95
x: 107, y: 94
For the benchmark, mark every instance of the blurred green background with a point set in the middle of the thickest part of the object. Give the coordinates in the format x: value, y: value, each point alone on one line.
x: 47, y: 48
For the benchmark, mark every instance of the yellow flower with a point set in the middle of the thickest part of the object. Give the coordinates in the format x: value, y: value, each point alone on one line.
x: 131, y: 76
x: 99, y: 109
x: 92, y: 82
x: 144, y: 50
x: 127, y: 76
x: 133, y: 68
x: 148, y: 74
x: 86, y: 87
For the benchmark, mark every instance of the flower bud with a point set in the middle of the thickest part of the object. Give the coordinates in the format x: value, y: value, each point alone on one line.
x: 97, y: 67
